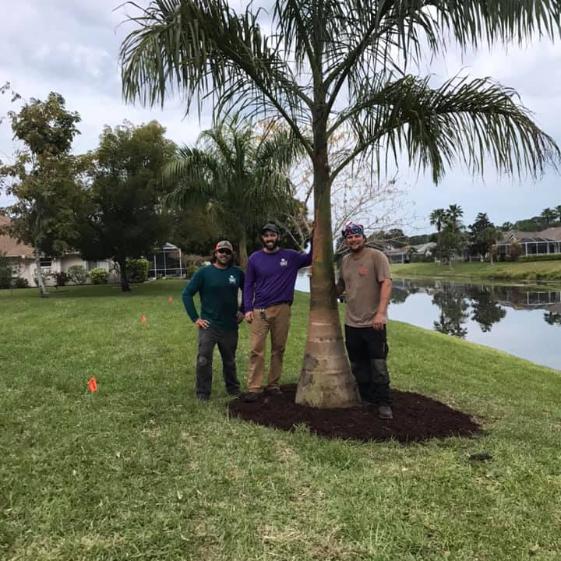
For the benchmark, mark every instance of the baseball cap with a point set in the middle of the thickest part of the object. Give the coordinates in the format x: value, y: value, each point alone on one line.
x: 224, y: 244
x: 352, y: 228
x: 270, y: 227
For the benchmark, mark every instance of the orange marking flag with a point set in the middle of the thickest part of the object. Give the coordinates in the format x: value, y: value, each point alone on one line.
x: 170, y: 299
x: 92, y: 385
x: 143, y: 319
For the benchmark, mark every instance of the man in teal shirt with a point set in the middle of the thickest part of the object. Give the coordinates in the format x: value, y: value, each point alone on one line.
x: 218, y: 286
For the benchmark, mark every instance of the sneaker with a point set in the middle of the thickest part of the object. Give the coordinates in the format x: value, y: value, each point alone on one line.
x: 274, y: 390
x: 251, y: 397
x: 385, y: 412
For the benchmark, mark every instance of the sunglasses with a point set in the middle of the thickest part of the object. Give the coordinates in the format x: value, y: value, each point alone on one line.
x: 225, y: 251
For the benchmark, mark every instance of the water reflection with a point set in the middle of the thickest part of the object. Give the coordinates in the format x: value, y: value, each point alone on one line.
x: 520, y: 320
x: 484, y: 304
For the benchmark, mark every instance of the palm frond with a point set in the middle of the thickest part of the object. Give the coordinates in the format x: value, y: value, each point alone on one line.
x: 202, y: 48
x: 466, y: 121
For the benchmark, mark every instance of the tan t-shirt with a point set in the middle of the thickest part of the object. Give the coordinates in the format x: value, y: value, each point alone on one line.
x: 360, y: 276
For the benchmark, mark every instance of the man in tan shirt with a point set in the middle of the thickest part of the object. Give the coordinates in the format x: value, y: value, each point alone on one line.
x: 366, y: 281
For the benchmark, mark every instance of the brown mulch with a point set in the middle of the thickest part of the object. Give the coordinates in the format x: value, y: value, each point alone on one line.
x: 417, y: 418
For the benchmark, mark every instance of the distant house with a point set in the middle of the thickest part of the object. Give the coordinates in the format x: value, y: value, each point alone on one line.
x: 22, y: 260
x: 532, y: 243
x: 410, y: 253
x: 166, y: 261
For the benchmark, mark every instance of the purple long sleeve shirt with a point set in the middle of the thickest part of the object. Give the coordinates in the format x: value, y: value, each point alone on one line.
x: 270, y: 277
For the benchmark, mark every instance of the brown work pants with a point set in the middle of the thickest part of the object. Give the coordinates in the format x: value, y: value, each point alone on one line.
x: 276, y: 320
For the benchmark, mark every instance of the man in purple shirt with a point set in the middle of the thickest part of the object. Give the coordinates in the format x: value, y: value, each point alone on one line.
x: 268, y: 294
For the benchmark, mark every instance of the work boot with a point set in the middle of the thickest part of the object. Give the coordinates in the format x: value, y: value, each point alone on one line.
x: 274, y: 390
x: 385, y: 412
x: 251, y: 397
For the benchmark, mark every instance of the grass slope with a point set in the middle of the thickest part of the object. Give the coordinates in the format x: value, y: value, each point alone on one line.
x: 531, y: 271
x: 140, y: 470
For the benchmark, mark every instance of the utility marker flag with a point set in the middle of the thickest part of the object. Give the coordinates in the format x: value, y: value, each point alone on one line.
x: 92, y: 385
x: 143, y: 319
x: 170, y: 299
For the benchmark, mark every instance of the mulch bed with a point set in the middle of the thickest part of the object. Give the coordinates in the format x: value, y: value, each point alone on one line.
x: 417, y: 418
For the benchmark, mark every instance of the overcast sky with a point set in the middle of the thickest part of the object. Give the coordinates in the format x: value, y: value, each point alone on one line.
x: 72, y: 47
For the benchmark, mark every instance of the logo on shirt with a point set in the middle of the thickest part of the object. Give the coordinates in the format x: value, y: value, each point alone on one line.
x: 232, y: 279
x: 363, y: 271
x: 283, y: 262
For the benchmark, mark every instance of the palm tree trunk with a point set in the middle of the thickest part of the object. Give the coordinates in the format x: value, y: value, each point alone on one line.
x: 242, y: 250
x: 326, y: 380
x: 40, y: 281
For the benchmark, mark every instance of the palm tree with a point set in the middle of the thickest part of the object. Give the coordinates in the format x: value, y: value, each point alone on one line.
x: 240, y: 178
x: 549, y: 215
x: 337, y: 65
x: 453, y: 215
x: 437, y: 218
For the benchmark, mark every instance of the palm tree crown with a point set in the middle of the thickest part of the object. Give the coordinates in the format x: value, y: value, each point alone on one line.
x: 240, y: 177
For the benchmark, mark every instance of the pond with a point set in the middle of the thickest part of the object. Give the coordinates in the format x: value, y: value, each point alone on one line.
x: 523, y: 321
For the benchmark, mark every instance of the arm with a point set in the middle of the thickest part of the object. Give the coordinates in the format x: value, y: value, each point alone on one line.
x: 381, y: 317
x: 340, y: 286
x: 242, y: 307
x: 188, y: 292
x: 305, y: 259
x: 248, y: 290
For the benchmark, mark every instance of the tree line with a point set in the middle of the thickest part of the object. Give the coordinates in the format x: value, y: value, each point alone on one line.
x: 137, y: 189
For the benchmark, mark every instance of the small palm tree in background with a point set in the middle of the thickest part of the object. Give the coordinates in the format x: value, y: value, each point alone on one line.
x: 344, y: 65
x: 239, y: 176
x: 549, y: 215
x: 452, y: 217
x: 437, y: 218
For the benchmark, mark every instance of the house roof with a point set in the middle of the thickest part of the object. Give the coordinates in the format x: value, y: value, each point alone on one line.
x: 424, y: 247
x: 549, y: 234
x: 10, y: 246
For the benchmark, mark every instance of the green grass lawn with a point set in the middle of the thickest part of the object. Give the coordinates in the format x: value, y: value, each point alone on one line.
x: 527, y: 271
x: 141, y: 470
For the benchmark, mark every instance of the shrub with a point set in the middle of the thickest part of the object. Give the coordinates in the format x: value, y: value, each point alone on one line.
x: 20, y: 282
x: 77, y: 274
x: 544, y: 257
x: 99, y: 275
x: 515, y: 251
x: 137, y: 270
x: 191, y: 263
x: 60, y: 278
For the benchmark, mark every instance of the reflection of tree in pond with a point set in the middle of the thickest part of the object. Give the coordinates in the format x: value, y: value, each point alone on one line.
x: 453, y: 308
x: 486, y: 310
x: 399, y: 295
x: 553, y: 318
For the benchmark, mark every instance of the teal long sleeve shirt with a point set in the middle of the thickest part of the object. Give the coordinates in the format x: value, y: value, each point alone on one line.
x: 218, y: 290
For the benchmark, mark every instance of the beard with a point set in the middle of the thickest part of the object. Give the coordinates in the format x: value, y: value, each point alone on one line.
x: 224, y: 260
x: 271, y: 245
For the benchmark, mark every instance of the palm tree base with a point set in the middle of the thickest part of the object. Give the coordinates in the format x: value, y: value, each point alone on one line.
x: 326, y: 380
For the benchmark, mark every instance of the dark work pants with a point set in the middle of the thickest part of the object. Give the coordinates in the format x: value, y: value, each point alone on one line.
x: 367, y: 349
x: 227, y: 342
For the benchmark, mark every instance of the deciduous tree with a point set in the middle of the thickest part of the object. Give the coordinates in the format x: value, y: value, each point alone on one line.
x: 43, y: 178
